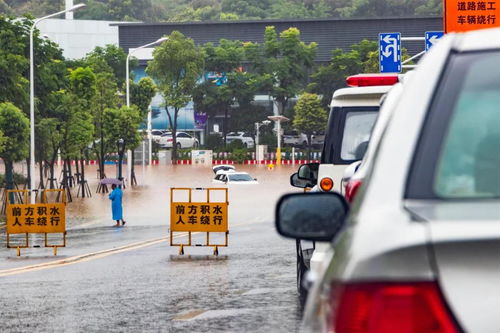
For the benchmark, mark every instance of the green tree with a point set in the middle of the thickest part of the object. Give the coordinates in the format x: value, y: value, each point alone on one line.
x: 114, y: 57
x: 141, y: 94
x: 286, y: 63
x: 48, y: 141
x: 105, y: 98
x: 123, y: 123
x: 310, y: 116
x: 15, y: 127
x: 14, y: 65
x: 212, y: 96
x: 176, y: 66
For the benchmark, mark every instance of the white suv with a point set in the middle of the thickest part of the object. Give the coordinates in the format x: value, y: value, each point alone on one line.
x: 245, y: 138
x: 418, y: 251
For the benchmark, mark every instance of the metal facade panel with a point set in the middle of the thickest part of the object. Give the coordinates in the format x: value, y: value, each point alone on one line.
x: 329, y: 34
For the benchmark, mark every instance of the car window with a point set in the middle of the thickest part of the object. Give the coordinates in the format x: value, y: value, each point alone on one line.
x: 182, y: 135
x: 457, y: 155
x: 357, y: 129
x: 469, y: 163
x: 246, y: 135
x: 240, y: 178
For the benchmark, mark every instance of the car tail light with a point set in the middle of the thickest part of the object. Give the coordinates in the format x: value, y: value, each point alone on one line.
x: 351, y: 188
x: 170, y: 140
x: 326, y: 184
x: 407, y: 307
x: 366, y: 80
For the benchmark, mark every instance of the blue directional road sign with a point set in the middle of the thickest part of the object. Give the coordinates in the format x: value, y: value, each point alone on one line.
x: 390, y: 52
x: 431, y: 37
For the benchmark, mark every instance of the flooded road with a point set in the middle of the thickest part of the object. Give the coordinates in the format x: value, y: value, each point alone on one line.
x: 250, y: 286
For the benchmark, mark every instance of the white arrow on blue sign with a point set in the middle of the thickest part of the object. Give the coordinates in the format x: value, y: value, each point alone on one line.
x: 431, y: 38
x: 390, y: 52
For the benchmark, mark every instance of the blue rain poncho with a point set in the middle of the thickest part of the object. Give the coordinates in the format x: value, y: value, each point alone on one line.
x: 116, y: 203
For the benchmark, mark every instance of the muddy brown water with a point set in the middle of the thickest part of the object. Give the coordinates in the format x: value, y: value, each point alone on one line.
x: 148, y: 203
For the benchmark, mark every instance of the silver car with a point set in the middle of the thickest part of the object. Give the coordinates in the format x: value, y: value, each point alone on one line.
x: 419, y: 250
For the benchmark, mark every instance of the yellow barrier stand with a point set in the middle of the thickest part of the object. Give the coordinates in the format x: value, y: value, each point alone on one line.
x: 40, y: 218
x: 197, y: 217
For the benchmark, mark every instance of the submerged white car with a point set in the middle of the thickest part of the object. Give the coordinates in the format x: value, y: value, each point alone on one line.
x: 233, y: 177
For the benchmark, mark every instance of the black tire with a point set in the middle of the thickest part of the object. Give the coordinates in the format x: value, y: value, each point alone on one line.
x: 178, y: 145
x: 195, y: 145
x: 301, y: 272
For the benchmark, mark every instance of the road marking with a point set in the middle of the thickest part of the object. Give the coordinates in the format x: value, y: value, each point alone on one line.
x: 95, y: 255
x: 81, y: 258
x: 189, y: 315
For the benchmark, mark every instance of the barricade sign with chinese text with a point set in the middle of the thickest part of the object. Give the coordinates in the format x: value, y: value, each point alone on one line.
x: 40, y: 218
x: 461, y: 15
x: 37, y: 218
x: 198, y: 217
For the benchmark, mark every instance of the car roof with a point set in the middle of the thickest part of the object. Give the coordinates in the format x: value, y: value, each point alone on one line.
x: 476, y: 40
x: 359, y: 96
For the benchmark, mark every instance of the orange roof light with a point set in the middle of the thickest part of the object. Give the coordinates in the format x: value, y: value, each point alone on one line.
x: 366, y: 80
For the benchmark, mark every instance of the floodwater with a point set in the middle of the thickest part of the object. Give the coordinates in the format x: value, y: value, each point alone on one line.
x: 249, y: 287
x: 148, y: 203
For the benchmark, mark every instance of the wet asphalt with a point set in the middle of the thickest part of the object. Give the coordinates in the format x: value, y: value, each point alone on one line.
x: 143, y: 285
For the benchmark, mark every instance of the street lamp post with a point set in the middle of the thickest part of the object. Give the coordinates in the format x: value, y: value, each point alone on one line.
x: 127, y: 85
x: 121, y: 150
x: 32, y: 96
x: 278, y: 120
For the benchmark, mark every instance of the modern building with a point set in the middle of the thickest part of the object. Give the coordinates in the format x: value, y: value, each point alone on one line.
x: 330, y: 34
x: 79, y: 37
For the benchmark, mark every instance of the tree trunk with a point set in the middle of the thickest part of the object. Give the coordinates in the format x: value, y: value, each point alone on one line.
x: 69, y: 173
x: 82, y: 175
x: 41, y: 175
x: 224, y: 128
x: 309, y: 146
x: 9, y: 175
x: 173, y: 124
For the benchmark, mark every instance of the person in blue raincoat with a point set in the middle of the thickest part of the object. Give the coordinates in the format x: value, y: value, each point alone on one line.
x: 116, y: 204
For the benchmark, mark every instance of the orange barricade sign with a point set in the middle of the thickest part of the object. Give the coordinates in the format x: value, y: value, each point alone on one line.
x: 199, y: 217
x: 190, y: 217
x: 41, y: 218
x: 466, y: 15
x: 37, y: 218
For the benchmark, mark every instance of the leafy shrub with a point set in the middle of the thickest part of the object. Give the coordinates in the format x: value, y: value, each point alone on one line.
x: 214, y: 141
x: 239, y: 155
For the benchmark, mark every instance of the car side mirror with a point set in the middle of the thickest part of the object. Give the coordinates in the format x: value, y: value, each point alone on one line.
x: 300, y: 183
x: 309, y: 172
x: 317, y: 216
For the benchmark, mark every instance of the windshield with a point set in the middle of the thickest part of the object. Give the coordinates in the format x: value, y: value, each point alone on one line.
x: 348, y: 134
x: 357, y: 130
x: 240, y: 178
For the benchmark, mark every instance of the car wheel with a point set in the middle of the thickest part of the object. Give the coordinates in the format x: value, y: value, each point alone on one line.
x: 195, y: 144
x: 178, y: 145
x: 301, y: 273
